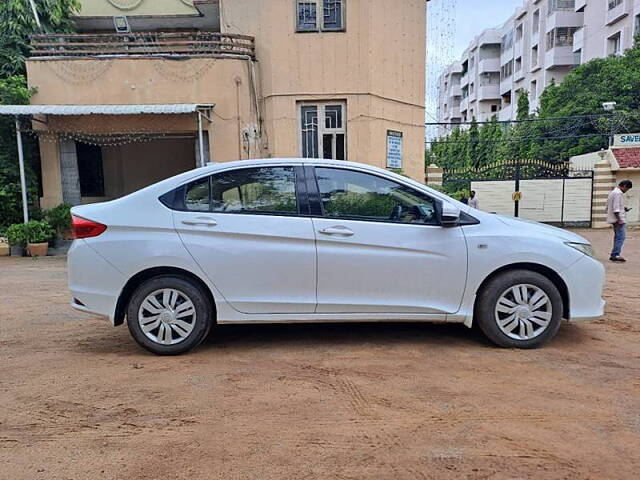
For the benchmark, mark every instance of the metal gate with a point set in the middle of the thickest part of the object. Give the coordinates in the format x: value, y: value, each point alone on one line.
x: 534, y: 189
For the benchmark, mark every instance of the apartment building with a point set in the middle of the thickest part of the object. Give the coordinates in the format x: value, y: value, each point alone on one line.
x: 471, y: 86
x: 539, y: 44
x: 150, y: 88
x: 610, y: 27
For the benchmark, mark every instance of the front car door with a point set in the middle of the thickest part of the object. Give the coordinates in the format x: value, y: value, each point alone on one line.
x: 381, y: 249
x: 245, y: 230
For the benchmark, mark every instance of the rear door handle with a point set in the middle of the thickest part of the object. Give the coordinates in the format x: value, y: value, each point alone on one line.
x: 200, y: 223
x: 337, y: 231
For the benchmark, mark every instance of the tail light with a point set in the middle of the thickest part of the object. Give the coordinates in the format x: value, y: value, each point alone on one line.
x: 83, y: 228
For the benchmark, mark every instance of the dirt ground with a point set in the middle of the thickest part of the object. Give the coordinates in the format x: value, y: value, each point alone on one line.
x: 80, y: 400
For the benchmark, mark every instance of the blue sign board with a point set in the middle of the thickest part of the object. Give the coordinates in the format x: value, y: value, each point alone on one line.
x: 627, y: 140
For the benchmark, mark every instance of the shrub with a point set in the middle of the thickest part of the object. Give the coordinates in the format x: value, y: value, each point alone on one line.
x: 38, y: 232
x: 60, y: 219
x: 17, y: 235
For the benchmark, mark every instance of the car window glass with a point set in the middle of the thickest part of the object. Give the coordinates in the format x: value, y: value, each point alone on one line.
x: 361, y: 196
x: 196, y: 196
x: 255, y: 190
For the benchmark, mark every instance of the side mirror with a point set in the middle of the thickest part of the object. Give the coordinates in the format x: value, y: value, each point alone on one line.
x: 449, y: 215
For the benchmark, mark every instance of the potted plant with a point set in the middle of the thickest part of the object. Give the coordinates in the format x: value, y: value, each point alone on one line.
x: 60, y: 220
x: 4, y: 243
x: 38, y: 235
x: 17, y: 237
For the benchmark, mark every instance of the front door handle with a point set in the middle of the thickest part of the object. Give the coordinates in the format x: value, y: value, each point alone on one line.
x: 337, y: 231
x: 200, y: 223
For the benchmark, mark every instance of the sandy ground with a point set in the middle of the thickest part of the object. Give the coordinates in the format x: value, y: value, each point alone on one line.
x: 80, y: 400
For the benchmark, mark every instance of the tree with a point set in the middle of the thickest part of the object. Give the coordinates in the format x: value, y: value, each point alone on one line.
x: 473, y: 149
x: 489, y: 140
x: 581, y: 93
x: 13, y: 90
x: 18, y: 23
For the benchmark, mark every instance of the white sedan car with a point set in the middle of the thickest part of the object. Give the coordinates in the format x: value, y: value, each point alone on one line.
x: 284, y: 241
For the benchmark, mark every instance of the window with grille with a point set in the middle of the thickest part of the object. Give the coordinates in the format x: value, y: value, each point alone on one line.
x: 489, y: 78
x: 507, y: 42
x: 507, y: 70
x: 307, y: 17
x: 320, y: 15
x: 518, y: 65
x: 561, y: 37
x: 614, y: 3
x: 614, y: 44
x: 561, y: 5
x: 323, y: 132
x: 332, y: 15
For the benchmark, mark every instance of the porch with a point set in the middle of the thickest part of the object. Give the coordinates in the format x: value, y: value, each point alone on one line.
x: 116, y: 112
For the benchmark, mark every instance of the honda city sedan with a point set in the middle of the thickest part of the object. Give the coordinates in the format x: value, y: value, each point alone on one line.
x: 298, y: 240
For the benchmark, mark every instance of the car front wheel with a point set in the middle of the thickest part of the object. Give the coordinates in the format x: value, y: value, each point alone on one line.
x: 519, y: 309
x: 169, y: 315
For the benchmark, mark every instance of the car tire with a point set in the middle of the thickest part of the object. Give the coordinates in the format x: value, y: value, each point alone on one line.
x: 509, y: 319
x: 169, y: 315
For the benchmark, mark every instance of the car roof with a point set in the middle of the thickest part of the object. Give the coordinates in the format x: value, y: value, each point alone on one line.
x: 285, y: 161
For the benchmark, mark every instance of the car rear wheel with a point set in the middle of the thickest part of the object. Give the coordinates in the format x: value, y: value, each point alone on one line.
x: 169, y: 315
x: 519, y: 309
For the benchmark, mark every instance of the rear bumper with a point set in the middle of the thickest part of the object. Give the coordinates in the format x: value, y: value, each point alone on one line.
x: 585, y: 282
x: 94, y: 283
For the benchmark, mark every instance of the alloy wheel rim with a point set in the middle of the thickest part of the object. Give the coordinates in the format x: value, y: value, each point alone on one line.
x: 167, y: 316
x: 523, y: 312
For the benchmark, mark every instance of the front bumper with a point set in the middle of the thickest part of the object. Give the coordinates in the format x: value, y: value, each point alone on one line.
x: 585, y: 282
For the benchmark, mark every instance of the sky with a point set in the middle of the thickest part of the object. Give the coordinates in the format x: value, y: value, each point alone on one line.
x: 473, y: 16
x: 470, y: 18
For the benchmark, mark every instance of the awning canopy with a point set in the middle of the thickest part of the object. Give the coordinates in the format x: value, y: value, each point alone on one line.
x: 149, y: 109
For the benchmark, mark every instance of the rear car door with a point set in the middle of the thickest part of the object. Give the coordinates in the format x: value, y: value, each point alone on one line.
x: 381, y: 248
x: 245, y: 229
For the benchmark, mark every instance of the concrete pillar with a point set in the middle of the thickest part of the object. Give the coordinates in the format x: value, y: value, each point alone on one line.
x: 207, y: 156
x: 604, y: 180
x: 51, y: 175
x: 434, y: 176
x: 69, y: 172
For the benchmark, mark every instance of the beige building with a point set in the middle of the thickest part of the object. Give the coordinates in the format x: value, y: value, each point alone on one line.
x: 539, y: 44
x: 620, y: 162
x: 150, y: 88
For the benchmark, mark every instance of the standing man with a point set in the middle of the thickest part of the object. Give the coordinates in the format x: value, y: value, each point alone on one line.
x: 473, y: 200
x: 616, y: 216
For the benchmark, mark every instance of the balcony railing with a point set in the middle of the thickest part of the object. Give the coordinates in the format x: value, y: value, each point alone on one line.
x: 142, y: 43
x: 578, y: 39
x: 616, y: 10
